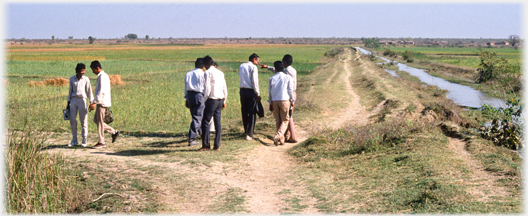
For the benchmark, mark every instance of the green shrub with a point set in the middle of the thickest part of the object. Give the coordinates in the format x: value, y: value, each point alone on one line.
x: 371, y: 43
x: 505, y: 129
x: 408, y: 55
x: 390, y: 53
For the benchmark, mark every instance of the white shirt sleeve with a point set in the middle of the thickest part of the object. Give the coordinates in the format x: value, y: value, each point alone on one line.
x: 255, y: 83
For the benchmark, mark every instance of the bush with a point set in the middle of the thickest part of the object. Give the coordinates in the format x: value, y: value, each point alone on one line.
x: 371, y: 43
x: 333, y: 52
x: 38, y: 182
x: 506, y: 126
x: 390, y: 53
x: 408, y: 55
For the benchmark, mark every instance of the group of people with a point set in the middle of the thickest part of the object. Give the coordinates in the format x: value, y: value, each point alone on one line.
x: 79, y: 90
x: 206, y: 94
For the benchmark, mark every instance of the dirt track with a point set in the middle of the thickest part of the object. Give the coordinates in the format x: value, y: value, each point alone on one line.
x: 264, y: 172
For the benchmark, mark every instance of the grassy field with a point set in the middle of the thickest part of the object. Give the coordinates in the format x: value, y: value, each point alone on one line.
x: 410, y: 156
x: 459, y: 65
x: 459, y: 56
x: 151, y: 100
x: 405, y: 160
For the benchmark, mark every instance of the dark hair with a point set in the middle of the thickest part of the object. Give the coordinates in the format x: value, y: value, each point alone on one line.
x: 208, y: 61
x: 253, y: 56
x: 79, y: 67
x: 287, y: 59
x: 199, y: 63
x: 96, y: 64
x: 215, y: 64
x: 278, y: 66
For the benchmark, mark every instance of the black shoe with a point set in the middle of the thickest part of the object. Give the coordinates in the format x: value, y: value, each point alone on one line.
x: 114, y: 136
x: 216, y: 148
x: 99, y: 145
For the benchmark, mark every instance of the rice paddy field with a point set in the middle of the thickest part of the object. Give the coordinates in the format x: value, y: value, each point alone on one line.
x: 150, y: 99
x: 460, y: 56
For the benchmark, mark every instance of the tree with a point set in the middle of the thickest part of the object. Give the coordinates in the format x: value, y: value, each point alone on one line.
x: 91, y: 39
x: 53, y: 37
x: 131, y: 36
x: 515, y: 40
x: 147, y: 37
x: 371, y: 43
x: 70, y: 37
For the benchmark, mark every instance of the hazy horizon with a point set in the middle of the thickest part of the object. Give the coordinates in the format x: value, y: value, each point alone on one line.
x: 266, y: 20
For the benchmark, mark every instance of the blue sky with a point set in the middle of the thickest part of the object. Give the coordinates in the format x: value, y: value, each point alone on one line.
x: 41, y: 20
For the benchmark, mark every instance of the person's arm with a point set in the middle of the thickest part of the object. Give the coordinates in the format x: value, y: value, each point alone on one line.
x: 254, y: 75
x: 290, y: 90
x: 272, y: 69
x: 207, y: 85
x: 69, y: 95
x: 269, y: 96
x: 98, y: 95
x: 89, y: 92
x: 225, y: 90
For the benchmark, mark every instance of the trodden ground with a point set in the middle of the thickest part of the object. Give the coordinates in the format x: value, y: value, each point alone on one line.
x: 160, y: 173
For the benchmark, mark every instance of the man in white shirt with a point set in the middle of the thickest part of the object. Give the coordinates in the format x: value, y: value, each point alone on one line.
x: 103, y: 100
x: 249, y: 93
x: 194, y: 99
x: 280, y: 99
x: 80, y: 89
x: 215, y: 95
x: 287, y: 60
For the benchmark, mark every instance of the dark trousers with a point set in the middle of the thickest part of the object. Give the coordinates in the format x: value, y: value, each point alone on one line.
x: 196, y: 106
x: 248, y: 100
x: 213, y: 108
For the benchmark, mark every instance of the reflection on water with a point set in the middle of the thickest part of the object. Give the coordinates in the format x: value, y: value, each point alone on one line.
x: 460, y: 94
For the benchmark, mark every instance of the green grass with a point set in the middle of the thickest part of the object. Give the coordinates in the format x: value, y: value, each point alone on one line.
x: 38, y: 182
x: 402, y: 163
x: 152, y: 97
x: 461, y: 56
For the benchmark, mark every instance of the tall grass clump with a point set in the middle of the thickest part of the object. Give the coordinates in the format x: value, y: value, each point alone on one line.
x: 36, y: 181
x: 356, y: 140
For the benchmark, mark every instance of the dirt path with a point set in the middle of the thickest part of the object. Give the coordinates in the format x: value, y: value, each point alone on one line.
x: 355, y: 113
x: 484, y: 184
x: 265, y: 171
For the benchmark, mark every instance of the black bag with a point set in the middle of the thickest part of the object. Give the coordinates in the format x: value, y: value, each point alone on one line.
x: 108, y: 118
x: 259, y: 109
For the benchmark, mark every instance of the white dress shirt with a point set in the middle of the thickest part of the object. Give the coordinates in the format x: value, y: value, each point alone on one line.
x: 280, y: 88
x: 194, y: 81
x: 248, y: 73
x: 293, y: 73
x: 80, y: 88
x: 215, y: 85
x: 289, y: 71
x: 102, y: 90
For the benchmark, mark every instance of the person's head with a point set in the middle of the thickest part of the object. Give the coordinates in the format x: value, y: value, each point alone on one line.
x: 215, y: 65
x: 254, y: 58
x: 278, y: 66
x: 208, y: 62
x: 96, y: 67
x: 199, y: 63
x: 287, y: 60
x: 80, y: 69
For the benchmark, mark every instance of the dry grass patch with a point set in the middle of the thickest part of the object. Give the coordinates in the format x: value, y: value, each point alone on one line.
x: 55, y: 58
x: 50, y: 82
x: 116, y: 80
